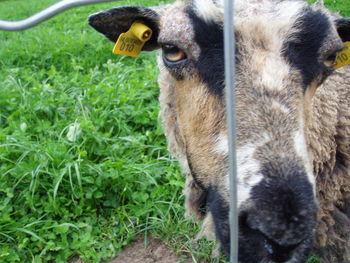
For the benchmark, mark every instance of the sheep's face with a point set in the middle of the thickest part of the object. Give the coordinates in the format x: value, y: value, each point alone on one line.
x: 284, y: 50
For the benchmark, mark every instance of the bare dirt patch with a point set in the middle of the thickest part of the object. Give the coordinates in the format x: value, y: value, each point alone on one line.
x: 154, y: 252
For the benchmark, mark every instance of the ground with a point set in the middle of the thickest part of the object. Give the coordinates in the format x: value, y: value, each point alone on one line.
x: 142, y: 250
x: 154, y: 251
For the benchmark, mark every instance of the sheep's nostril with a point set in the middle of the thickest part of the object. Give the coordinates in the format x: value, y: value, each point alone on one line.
x: 269, y: 248
x: 278, y: 253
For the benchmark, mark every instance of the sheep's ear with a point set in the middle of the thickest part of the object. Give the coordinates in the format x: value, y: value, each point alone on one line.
x: 343, y: 27
x: 115, y: 21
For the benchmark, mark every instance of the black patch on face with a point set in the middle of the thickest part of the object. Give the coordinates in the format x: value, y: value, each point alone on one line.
x: 286, y: 197
x: 209, y: 36
x: 220, y: 211
x: 280, y: 221
x: 302, y: 51
x: 255, y: 246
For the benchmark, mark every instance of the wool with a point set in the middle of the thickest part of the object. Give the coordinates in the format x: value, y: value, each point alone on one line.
x: 328, y: 134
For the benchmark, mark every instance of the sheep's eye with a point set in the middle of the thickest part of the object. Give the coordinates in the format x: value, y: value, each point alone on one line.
x: 173, y: 54
x: 330, y: 60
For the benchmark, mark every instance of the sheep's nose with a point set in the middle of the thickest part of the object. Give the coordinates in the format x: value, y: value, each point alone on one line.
x: 278, y: 253
x: 284, y: 211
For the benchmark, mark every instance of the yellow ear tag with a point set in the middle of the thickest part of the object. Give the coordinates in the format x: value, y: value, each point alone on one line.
x: 343, y: 57
x: 131, y: 42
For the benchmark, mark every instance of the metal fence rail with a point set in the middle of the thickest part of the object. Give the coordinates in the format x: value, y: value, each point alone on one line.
x: 46, y: 14
x: 229, y: 41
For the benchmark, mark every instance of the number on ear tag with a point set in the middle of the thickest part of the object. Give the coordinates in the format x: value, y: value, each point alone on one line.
x: 131, y: 42
x: 343, y: 57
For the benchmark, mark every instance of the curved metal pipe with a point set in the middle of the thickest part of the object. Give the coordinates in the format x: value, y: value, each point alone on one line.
x: 46, y: 14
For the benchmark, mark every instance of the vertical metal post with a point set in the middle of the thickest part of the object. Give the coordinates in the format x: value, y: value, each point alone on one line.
x: 229, y: 41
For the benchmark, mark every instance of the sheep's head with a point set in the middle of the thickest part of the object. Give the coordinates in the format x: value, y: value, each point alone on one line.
x: 284, y: 51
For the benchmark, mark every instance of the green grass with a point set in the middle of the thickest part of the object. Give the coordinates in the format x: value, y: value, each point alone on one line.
x: 90, y: 192
x: 341, y: 6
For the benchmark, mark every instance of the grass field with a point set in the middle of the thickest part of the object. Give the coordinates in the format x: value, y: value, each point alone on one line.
x: 83, y: 160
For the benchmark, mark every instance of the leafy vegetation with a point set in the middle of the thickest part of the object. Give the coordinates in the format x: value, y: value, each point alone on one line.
x: 83, y: 160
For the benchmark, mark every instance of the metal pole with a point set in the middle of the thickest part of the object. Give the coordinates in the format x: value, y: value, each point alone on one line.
x: 46, y: 14
x: 229, y: 40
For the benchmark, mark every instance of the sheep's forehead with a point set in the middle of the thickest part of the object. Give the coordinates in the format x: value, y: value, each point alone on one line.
x: 251, y: 16
x: 282, y: 11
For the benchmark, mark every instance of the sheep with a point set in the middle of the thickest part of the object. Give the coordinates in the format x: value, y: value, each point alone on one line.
x: 293, y: 120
